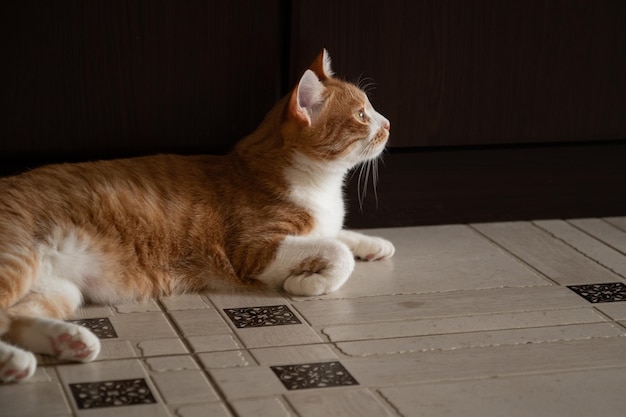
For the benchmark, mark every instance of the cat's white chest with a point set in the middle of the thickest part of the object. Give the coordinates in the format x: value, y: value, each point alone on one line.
x: 327, y: 208
x: 322, y: 195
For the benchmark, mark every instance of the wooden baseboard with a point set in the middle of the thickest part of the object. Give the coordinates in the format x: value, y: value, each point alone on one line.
x: 421, y: 187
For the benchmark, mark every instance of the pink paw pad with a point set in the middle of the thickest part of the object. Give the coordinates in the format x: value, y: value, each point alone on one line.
x: 15, y: 374
x: 65, y: 346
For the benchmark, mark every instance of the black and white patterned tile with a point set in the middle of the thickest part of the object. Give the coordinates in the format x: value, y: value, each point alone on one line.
x: 90, y: 395
x: 601, y: 293
x: 101, y: 327
x: 314, y: 375
x: 263, y: 316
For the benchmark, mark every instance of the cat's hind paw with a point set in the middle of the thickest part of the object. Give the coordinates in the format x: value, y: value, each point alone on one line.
x: 15, y: 364
x: 74, y: 342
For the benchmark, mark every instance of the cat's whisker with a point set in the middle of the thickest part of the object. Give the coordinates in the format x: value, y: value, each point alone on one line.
x: 361, y: 191
x: 365, y: 84
x: 375, y: 179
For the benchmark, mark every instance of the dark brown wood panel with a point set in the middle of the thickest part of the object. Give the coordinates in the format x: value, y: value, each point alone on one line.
x: 470, y: 72
x: 136, y: 76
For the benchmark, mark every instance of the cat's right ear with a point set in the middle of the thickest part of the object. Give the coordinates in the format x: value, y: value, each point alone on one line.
x: 306, y: 99
x: 321, y: 66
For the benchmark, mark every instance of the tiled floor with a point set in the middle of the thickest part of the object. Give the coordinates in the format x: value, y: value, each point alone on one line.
x: 516, y: 319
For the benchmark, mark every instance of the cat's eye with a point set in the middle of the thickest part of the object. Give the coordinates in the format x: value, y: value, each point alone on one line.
x: 362, y: 114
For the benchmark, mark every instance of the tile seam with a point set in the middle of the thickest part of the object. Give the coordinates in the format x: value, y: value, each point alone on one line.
x: 193, y: 355
x: 388, y: 402
x: 515, y: 256
x: 467, y: 348
x: 606, y: 321
x: 580, y: 252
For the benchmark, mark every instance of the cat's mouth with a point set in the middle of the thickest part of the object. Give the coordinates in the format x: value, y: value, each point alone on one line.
x: 377, y: 144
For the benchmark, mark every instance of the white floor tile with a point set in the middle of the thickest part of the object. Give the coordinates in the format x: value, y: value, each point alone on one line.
x: 586, y: 244
x: 33, y: 399
x: 479, y: 339
x: 448, y: 304
x: 262, y: 407
x: 572, y: 394
x: 551, y: 256
x: 488, y: 362
x: 361, y: 403
x: 604, y: 231
x: 461, y: 324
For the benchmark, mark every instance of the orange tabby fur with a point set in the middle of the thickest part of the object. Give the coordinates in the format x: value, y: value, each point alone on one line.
x: 159, y: 225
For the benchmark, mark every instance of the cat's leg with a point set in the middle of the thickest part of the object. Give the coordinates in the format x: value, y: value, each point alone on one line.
x: 367, y: 248
x: 309, y: 266
x: 15, y: 364
x: 36, y: 325
x: 67, y: 341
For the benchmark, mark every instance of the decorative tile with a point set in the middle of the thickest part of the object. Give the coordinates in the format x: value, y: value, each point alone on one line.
x: 314, y: 375
x: 112, y: 393
x: 101, y: 327
x: 264, y: 316
x: 601, y: 293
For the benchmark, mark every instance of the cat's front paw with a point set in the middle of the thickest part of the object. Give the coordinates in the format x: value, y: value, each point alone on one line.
x: 367, y: 248
x: 322, y: 273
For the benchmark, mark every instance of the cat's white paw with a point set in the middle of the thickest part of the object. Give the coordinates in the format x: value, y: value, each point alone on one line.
x: 367, y: 248
x: 323, y: 273
x: 73, y: 342
x: 15, y: 364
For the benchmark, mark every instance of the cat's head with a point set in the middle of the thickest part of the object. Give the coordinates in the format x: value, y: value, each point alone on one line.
x: 328, y: 119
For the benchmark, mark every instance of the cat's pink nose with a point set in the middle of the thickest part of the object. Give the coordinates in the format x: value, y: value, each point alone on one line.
x: 387, y: 125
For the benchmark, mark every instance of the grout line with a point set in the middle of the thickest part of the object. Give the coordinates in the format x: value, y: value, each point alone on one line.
x: 388, y: 402
x: 287, y: 405
x: 409, y: 293
x: 64, y: 388
x: 522, y: 261
x: 612, y: 224
x: 229, y: 323
x: 477, y: 346
x: 194, y: 356
x: 579, y: 251
x: 604, y: 316
x: 598, y: 238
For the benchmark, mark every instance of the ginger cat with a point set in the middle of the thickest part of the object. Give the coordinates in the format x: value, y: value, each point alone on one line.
x: 269, y: 213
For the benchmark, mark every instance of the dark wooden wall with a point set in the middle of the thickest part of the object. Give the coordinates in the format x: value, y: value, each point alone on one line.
x: 116, y: 77
x: 476, y: 72
x: 500, y: 109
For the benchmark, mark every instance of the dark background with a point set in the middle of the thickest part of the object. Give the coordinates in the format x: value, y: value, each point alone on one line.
x: 500, y: 109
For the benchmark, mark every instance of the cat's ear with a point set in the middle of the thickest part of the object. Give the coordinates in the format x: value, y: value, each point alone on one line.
x: 306, y: 99
x: 321, y: 66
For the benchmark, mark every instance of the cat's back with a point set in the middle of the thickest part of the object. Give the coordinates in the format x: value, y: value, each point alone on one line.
x: 109, y: 190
